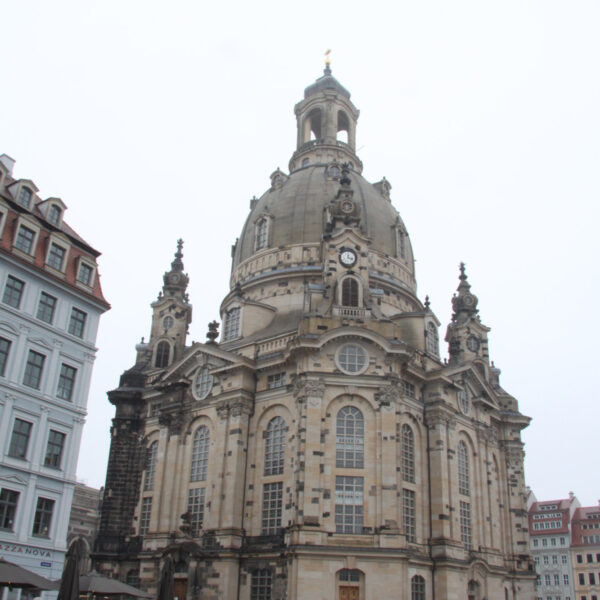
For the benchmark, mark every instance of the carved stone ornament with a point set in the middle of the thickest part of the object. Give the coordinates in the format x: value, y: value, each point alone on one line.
x: 309, y: 387
x: 387, y: 394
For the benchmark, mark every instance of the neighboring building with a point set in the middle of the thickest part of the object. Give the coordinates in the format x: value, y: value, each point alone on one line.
x: 585, y: 552
x: 85, y: 519
x: 322, y: 449
x: 550, y: 541
x: 50, y: 305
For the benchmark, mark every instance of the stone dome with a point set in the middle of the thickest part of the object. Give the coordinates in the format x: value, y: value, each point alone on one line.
x: 296, y: 209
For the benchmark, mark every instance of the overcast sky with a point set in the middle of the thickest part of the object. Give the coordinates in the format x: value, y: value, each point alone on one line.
x: 160, y: 120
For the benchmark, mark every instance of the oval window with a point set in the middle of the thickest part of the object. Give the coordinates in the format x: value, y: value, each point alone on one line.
x: 203, y: 384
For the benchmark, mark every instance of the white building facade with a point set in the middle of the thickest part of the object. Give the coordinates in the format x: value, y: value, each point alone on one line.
x: 50, y: 306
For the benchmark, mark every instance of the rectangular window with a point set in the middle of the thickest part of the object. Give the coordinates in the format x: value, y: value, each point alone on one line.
x: 581, y: 579
x: 408, y: 515
x: 566, y: 579
x: 546, y: 559
x: 77, y: 322
x: 535, y: 542
x: 46, y: 308
x: 592, y: 578
x: 84, y: 275
x: 154, y: 409
x: 554, y: 559
x: 563, y: 558
x: 589, y: 558
x: 349, y: 504
x: 19, y: 440
x: 544, y: 542
x: 13, y: 292
x: 548, y: 580
x: 54, y: 450
x: 580, y: 558
x: 556, y: 579
x: 4, y: 350
x: 465, y: 524
x: 145, y: 515
x: 43, y: 517
x: 271, y: 508
x: 196, y: 510
x: 24, y: 241
x: 260, y: 585
x: 275, y: 381
x: 562, y: 541
x: 33, y: 369
x: 8, y: 508
x: 56, y: 256
x: 66, y: 382
x: 408, y: 388
x: 24, y: 197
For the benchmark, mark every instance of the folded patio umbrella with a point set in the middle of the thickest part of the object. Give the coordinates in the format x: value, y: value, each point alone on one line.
x: 17, y: 577
x: 94, y: 583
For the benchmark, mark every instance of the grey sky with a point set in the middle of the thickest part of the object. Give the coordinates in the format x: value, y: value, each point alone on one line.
x: 159, y: 120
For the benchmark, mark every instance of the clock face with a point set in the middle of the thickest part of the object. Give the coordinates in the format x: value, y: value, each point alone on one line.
x: 348, y: 257
x: 472, y: 343
x: 174, y: 278
x: 347, y: 206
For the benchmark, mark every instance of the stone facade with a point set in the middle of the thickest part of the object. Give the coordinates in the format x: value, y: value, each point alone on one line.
x: 322, y: 449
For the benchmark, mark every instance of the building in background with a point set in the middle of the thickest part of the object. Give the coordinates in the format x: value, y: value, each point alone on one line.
x: 50, y: 306
x: 85, y: 519
x: 585, y: 552
x: 322, y: 449
x: 550, y: 544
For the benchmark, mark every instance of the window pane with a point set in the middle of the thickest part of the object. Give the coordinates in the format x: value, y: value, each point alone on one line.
x: 24, y: 197
x: 54, y: 214
x: 349, y: 292
x: 54, y: 450
x: 85, y: 273
x: 13, y: 291
x: 195, y: 509
x: 24, y: 240
x: 348, y: 504
x: 19, y: 439
x: 200, y: 454
x: 463, y: 469
x: 275, y: 447
x: 8, y: 508
x: 260, y: 587
x: 33, y: 369
x: 4, y: 350
x: 408, y: 515
x: 56, y: 256
x: 350, y: 438
x: 163, y: 351
x: 46, y: 308
x: 151, y: 456
x: 408, y: 454
x: 271, y: 509
x: 145, y: 515
x: 465, y: 524
x: 352, y: 358
x: 43, y: 517
x: 66, y: 382
x: 231, y: 326
x: 77, y: 322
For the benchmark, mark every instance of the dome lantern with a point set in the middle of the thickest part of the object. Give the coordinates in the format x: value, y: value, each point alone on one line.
x: 326, y: 121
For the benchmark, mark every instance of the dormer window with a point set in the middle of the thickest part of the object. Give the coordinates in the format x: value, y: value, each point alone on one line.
x: 56, y: 256
x: 25, y: 239
x: 24, y: 197
x: 334, y: 171
x: 262, y: 230
x: 54, y: 214
x: 85, y: 273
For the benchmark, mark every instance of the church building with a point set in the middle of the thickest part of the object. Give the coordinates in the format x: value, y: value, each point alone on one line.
x: 318, y: 448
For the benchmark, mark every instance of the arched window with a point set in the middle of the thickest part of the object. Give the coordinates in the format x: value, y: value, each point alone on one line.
x: 400, y: 249
x: 343, y: 127
x: 431, y: 339
x: 231, y: 327
x: 349, y: 292
x: 151, y: 456
x: 163, y: 350
x: 417, y: 588
x: 200, y: 454
x: 350, y: 434
x: 312, y: 125
x: 275, y: 447
x: 261, y: 233
x: 473, y: 590
x: 408, y: 454
x: 464, y: 483
x: 350, y: 575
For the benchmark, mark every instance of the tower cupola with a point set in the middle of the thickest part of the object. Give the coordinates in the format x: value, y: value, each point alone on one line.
x: 326, y: 121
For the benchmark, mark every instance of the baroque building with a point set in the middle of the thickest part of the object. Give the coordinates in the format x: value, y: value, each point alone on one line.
x: 321, y: 449
x: 50, y: 306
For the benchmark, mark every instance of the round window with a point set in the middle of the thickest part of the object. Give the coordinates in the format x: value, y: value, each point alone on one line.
x: 203, y: 384
x: 352, y: 358
x: 168, y: 322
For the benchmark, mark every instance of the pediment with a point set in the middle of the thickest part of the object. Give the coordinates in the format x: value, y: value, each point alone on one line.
x: 14, y: 479
x: 479, y: 390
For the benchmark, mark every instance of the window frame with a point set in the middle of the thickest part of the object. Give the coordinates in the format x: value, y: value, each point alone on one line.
x: 350, y: 297
x: 4, y: 355
x: 82, y: 262
x: 11, y: 296
x: 196, y: 509
x: 349, y: 504
x: 21, y: 192
x: 261, y: 233
x: 407, y: 437
x: 275, y: 442
x: 272, y: 508
x: 162, y: 360
x: 8, y: 508
x: 25, y: 238
x: 43, y: 308
x: 232, y: 324
x: 34, y: 369
x: 77, y: 322
x: 200, y: 454
x: 349, y: 438
x: 43, y: 517
x: 343, y: 362
x: 55, y: 451
x: 56, y: 260
x: 16, y: 447
x: 464, y: 472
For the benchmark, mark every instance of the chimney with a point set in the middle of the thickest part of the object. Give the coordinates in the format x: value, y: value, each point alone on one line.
x: 8, y: 162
